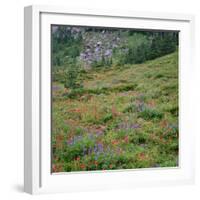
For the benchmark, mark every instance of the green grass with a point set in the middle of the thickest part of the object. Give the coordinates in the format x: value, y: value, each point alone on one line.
x: 124, y: 117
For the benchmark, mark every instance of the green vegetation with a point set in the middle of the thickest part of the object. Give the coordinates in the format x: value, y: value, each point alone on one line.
x: 114, y: 99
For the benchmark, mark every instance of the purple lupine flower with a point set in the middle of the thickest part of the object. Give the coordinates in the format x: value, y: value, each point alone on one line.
x: 100, y: 147
x: 90, y: 150
x: 99, y: 132
x: 95, y: 149
x: 125, y: 126
x: 134, y: 126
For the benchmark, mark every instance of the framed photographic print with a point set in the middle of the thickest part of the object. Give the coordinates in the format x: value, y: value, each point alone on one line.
x: 107, y: 99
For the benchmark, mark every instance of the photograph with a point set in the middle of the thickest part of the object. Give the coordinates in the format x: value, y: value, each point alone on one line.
x: 114, y: 98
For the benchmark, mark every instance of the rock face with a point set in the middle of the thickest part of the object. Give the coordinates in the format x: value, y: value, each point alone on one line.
x: 98, y: 46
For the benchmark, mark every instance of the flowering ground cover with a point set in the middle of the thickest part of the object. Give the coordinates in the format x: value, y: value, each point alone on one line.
x: 124, y: 116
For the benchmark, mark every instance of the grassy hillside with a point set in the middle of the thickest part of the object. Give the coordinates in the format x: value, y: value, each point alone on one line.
x: 122, y: 118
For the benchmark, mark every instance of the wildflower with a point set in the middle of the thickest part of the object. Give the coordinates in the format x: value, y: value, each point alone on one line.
x: 141, y: 156
x: 96, y: 163
x: 78, y: 158
x: 82, y: 166
x: 134, y: 126
x: 126, y: 139
x: 99, y: 132
x: 115, y: 142
x: 90, y: 150
x: 100, y: 147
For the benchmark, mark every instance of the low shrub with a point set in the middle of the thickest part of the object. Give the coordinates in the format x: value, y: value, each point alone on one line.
x: 77, y: 92
x: 149, y: 113
x: 143, y: 111
x: 107, y: 117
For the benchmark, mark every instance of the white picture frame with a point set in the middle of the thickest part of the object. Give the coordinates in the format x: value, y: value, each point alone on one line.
x: 37, y: 173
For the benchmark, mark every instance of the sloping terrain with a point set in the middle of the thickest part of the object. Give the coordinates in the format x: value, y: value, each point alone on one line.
x: 122, y: 118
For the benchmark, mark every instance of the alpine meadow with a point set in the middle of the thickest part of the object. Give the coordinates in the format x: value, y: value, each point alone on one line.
x: 114, y: 98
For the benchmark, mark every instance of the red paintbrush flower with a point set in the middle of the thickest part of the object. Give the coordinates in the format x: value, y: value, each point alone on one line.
x: 78, y: 158
x: 126, y: 139
x: 82, y: 166
x: 95, y: 162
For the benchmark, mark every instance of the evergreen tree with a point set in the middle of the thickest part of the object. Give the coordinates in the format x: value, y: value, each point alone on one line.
x: 72, y: 73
